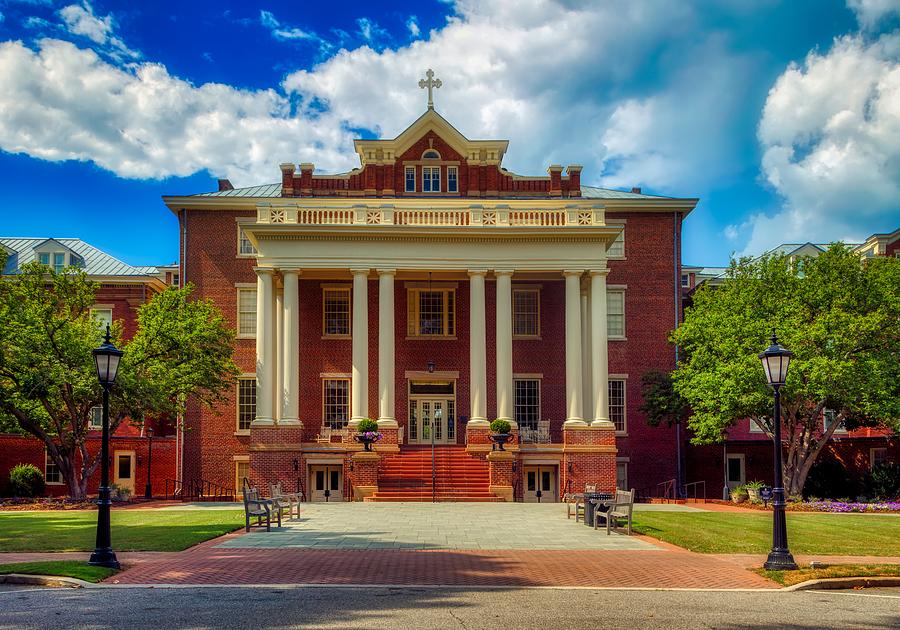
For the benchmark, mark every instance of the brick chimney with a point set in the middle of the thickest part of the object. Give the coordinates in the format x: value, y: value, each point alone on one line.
x: 306, y: 181
x: 574, y: 173
x: 224, y: 184
x: 555, y: 171
x: 287, y: 179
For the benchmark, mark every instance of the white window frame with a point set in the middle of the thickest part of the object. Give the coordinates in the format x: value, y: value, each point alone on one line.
x: 243, y: 378
x: 455, y: 179
x: 537, y: 292
x: 685, y: 280
x: 528, y: 379
x: 95, y: 423
x: 825, y: 422
x: 873, y: 451
x: 97, y: 309
x: 41, y: 256
x: 239, y: 289
x: 755, y: 428
x: 407, y: 180
x: 58, y: 267
x: 619, y: 378
x: 743, y: 459
x: 413, y: 330
x: 337, y: 288
x: 616, y: 249
x: 325, y: 381
x: 241, y: 240
x: 428, y: 173
x: 48, y: 462
x: 615, y: 290
x: 622, y: 464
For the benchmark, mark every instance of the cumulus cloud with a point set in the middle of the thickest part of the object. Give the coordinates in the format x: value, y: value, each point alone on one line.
x: 870, y: 12
x: 830, y: 133
x: 79, y: 19
x: 268, y: 20
x: 412, y: 24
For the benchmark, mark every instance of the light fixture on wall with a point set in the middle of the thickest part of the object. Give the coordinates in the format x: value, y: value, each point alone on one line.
x: 430, y: 365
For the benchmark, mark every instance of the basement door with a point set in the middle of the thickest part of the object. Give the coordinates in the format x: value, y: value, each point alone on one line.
x: 540, y: 484
x: 326, y: 483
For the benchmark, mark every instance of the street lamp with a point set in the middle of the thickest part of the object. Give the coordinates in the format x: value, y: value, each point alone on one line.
x: 148, y: 490
x: 775, y: 360
x: 107, y: 358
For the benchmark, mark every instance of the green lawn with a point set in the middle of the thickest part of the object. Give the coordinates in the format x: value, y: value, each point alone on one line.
x: 132, y: 529
x: 66, y: 568
x: 825, y: 534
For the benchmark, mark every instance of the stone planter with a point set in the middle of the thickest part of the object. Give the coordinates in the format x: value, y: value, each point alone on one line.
x: 499, y: 439
x: 366, y: 441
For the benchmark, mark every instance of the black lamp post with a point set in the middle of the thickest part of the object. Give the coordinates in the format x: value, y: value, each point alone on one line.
x: 775, y: 360
x: 148, y: 490
x: 107, y: 358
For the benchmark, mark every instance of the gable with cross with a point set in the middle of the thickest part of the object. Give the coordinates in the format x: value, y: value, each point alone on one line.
x: 429, y: 82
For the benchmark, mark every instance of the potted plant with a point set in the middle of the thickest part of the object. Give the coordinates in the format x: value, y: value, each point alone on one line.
x: 739, y: 494
x: 753, y: 489
x: 500, y: 433
x: 367, y: 433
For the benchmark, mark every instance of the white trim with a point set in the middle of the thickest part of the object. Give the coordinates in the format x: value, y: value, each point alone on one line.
x: 624, y: 332
x: 48, y: 460
x: 743, y: 459
x: 240, y: 231
x: 237, y: 306
x: 406, y: 171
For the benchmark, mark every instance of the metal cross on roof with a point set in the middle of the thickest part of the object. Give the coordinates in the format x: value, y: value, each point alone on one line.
x: 429, y: 82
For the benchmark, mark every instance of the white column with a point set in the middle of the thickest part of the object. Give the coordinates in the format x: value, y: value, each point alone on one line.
x: 477, y: 349
x: 504, y: 346
x: 386, y: 416
x: 279, y: 352
x: 586, y: 393
x: 290, y: 405
x: 265, y: 350
x: 359, y: 385
x: 599, y: 348
x: 573, y: 348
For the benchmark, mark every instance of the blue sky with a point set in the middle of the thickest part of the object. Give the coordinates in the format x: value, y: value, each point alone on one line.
x: 783, y: 117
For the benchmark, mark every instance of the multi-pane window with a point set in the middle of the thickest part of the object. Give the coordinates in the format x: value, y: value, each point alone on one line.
x: 617, y: 247
x: 52, y: 474
x: 246, y: 403
x: 96, y: 421
x: 431, y: 312
x: 685, y: 280
x: 431, y: 179
x: 241, y: 472
x: 44, y: 258
x: 246, y: 312
x: 245, y: 247
x: 174, y: 279
x: 410, y: 179
x: 59, y: 261
x: 617, y: 404
x: 103, y: 317
x: 452, y: 179
x: 336, y: 311
x: 877, y: 457
x: 527, y: 402
x: 336, y: 402
x: 615, y: 314
x: 622, y: 475
x: 828, y: 417
x: 526, y: 313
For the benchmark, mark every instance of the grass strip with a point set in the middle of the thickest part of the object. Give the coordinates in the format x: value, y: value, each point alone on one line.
x: 789, y: 578
x: 65, y: 568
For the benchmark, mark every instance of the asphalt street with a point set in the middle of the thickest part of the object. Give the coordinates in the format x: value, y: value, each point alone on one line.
x: 433, y: 608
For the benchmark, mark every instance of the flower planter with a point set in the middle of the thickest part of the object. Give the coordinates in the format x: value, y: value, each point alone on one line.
x: 366, y: 441
x: 499, y: 439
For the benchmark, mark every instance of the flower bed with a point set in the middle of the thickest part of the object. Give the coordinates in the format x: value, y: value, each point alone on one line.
x: 844, y: 506
x: 44, y: 503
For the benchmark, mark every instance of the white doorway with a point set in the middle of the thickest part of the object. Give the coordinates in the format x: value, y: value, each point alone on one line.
x: 540, y: 484
x: 124, y: 470
x: 736, y: 472
x: 326, y: 483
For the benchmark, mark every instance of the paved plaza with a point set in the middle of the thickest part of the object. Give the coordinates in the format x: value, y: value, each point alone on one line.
x: 433, y: 526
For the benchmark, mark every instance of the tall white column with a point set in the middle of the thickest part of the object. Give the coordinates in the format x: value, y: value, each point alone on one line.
x: 599, y: 348
x: 359, y: 384
x: 265, y: 350
x: 586, y: 392
x: 279, y: 352
x: 504, y: 346
x: 573, y: 349
x: 477, y: 349
x: 290, y: 405
x: 386, y: 347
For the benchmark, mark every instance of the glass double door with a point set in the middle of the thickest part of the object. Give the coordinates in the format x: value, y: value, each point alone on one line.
x: 432, y: 419
x: 540, y: 484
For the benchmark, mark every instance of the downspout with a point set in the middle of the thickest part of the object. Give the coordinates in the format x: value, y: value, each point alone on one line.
x: 677, y: 266
x: 179, y: 419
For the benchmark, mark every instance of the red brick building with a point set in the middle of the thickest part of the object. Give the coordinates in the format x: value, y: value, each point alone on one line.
x: 433, y: 290
x: 121, y: 289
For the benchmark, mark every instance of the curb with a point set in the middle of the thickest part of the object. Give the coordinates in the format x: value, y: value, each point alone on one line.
x: 844, y: 583
x: 44, y: 580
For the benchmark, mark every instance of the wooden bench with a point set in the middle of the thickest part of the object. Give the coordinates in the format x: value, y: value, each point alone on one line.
x: 285, y: 499
x: 256, y: 506
x: 620, y: 509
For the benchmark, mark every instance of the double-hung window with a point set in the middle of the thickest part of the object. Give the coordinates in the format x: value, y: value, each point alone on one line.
x: 452, y: 179
x: 431, y: 179
x: 44, y: 258
x: 410, y: 179
x: 246, y: 299
x: 617, y: 404
x: 103, y: 317
x: 828, y: 418
x: 617, y: 247
x: 431, y: 312
x: 52, y: 474
x: 246, y: 403
x: 336, y: 311
x: 527, y: 402
x: 615, y: 314
x: 336, y: 402
x: 526, y: 313
x: 59, y: 261
x: 245, y: 247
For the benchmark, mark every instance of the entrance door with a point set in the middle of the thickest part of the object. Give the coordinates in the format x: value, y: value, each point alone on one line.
x: 326, y: 483
x: 124, y: 470
x: 432, y: 417
x: 540, y: 484
x: 736, y: 470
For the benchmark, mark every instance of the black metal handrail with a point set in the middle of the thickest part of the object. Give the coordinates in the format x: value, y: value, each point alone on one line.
x: 196, y: 490
x: 696, y: 486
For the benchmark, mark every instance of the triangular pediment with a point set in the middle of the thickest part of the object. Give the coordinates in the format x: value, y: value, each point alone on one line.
x: 430, y: 122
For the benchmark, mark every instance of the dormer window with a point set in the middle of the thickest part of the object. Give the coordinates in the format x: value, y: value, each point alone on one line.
x: 431, y: 154
x: 57, y: 260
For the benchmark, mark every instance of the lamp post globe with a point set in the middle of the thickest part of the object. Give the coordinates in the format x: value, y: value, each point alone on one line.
x: 775, y: 360
x: 106, y: 359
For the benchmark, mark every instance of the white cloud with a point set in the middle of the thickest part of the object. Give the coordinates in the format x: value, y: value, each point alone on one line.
x: 79, y: 19
x: 268, y: 20
x: 830, y: 133
x: 412, y: 24
x: 371, y: 32
x: 870, y: 12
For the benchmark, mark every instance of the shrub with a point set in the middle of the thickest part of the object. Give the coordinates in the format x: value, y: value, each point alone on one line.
x: 25, y: 480
x: 366, y: 425
x: 500, y: 426
x: 739, y: 494
x: 829, y: 479
x: 755, y: 485
x: 883, y: 481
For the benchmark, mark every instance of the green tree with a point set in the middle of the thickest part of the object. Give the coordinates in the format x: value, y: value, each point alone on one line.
x: 662, y: 404
x: 841, y: 318
x: 48, y: 382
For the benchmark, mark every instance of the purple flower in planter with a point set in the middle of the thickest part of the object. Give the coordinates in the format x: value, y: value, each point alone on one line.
x: 372, y: 435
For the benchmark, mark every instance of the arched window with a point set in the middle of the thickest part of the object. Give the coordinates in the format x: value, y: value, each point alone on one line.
x: 431, y: 154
